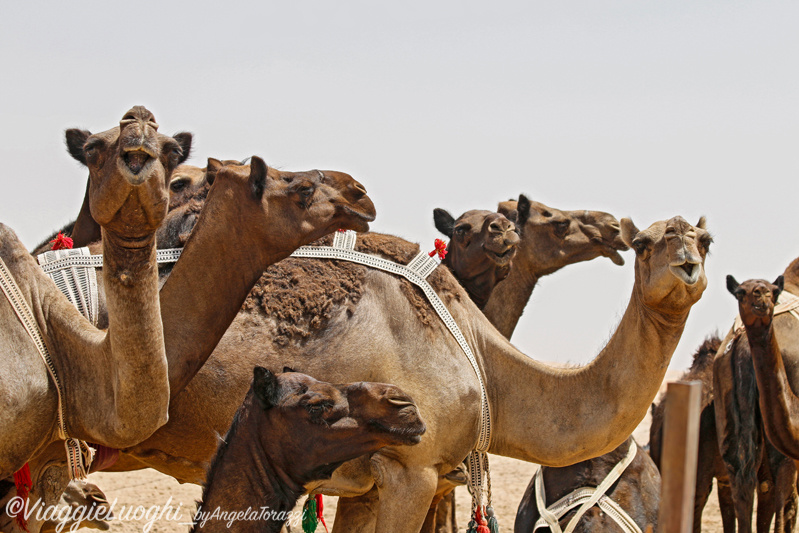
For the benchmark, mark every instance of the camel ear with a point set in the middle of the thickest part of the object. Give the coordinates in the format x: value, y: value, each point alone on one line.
x: 211, y: 168
x: 184, y: 139
x: 265, y: 386
x: 75, y: 140
x: 702, y: 224
x: 445, y: 223
x: 779, y: 283
x: 628, y: 231
x: 523, y: 207
x: 513, y: 216
x: 732, y: 285
x: 258, y: 170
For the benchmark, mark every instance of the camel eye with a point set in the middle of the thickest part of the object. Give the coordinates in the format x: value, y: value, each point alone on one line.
x: 561, y: 227
x: 640, y: 246
x: 178, y: 185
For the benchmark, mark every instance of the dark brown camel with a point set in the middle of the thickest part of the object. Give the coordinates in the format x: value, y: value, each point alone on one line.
x: 292, y: 430
x: 709, y: 463
x: 481, y: 249
x: 749, y: 458
x: 254, y: 216
x: 637, y: 492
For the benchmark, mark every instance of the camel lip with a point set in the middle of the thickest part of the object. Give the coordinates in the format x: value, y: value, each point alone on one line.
x: 501, y: 257
x: 361, y: 219
x: 687, y: 272
x: 136, y: 165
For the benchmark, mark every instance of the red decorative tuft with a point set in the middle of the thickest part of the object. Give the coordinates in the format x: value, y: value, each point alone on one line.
x: 320, y: 508
x: 440, y: 249
x: 341, y: 230
x: 61, y: 242
x: 22, y: 480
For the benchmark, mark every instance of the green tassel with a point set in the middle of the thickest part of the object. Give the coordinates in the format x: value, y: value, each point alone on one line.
x: 493, y: 525
x: 309, y: 520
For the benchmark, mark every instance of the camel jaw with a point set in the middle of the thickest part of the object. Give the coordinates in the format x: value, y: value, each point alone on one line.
x: 687, y: 272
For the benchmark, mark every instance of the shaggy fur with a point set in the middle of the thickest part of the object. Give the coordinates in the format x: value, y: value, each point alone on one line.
x: 300, y: 295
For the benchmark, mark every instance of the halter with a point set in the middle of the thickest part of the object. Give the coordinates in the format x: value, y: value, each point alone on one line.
x: 79, y: 454
x: 584, y: 498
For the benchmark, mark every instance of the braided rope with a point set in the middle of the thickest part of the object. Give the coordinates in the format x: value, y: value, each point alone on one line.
x: 79, y: 454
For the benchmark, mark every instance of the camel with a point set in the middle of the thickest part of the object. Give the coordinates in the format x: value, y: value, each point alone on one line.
x: 637, y: 492
x: 709, y: 463
x: 551, y: 240
x: 292, y: 430
x: 254, y: 216
x: 751, y: 461
x: 778, y: 403
x: 85, y: 229
x: 481, y: 249
x: 346, y: 322
x: 88, y: 508
x: 114, y: 382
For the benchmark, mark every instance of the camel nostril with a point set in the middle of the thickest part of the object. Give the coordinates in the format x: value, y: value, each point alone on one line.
x: 494, y: 228
x: 360, y: 189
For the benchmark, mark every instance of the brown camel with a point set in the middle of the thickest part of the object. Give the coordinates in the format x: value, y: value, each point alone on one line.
x: 481, y: 249
x: 254, y: 216
x: 115, y: 383
x: 474, y: 249
x: 551, y: 240
x: 304, y: 311
x: 709, y: 463
x: 292, y: 430
x: 637, y: 492
x: 751, y: 461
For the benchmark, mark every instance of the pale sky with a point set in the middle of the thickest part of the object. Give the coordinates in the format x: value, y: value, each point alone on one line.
x: 642, y: 109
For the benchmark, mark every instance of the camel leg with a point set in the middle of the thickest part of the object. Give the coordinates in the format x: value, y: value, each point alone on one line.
x: 357, y: 514
x: 405, y: 497
x: 766, y: 495
x: 726, y: 504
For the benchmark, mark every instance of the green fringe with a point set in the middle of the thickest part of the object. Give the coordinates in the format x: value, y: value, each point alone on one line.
x: 493, y: 525
x: 309, y: 520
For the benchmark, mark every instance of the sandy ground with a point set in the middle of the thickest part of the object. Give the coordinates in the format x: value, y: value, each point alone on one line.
x: 137, y: 492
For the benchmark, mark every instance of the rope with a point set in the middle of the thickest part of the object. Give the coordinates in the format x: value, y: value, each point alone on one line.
x: 585, y: 497
x: 79, y: 454
x: 416, y: 272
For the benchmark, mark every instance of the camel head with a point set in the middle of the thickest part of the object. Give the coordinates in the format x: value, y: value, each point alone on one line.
x: 185, y: 181
x: 328, y: 424
x: 670, y: 259
x: 87, y: 506
x: 129, y: 167
x: 756, y: 299
x: 552, y: 239
x: 482, y: 245
x: 296, y: 207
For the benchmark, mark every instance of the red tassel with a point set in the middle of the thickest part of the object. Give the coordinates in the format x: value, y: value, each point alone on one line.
x: 482, y: 526
x: 61, y: 242
x: 319, y: 509
x: 440, y: 249
x: 22, y: 480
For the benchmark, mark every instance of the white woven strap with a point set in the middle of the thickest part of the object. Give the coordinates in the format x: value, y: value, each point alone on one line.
x: 417, y: 272
x: 78, y: 284
x: 168, y: 255
x: 79, y: 454
x: 585, y: 497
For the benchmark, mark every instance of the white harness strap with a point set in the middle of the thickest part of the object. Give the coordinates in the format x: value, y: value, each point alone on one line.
x: 79, y: 454
x: 585, y: 498
x: 416, y: 272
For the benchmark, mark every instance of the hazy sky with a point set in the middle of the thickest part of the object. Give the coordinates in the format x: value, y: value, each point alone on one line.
x: 643, y: 109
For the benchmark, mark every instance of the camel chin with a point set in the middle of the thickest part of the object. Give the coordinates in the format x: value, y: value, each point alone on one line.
x: 616, y: 257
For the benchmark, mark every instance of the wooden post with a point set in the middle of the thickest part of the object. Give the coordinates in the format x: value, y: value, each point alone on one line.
x: 679, y: 457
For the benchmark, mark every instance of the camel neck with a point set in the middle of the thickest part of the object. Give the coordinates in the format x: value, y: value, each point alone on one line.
x: 224, y: 257
x: 507, y: 301
x: 779, y: 406
x: 246, y: 481
x: 594, y: 407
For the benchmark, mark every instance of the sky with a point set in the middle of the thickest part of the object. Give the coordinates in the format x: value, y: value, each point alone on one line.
x: 642, y: 109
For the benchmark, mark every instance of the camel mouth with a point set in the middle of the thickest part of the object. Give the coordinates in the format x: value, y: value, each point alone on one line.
x: 357, y: 220
x: 409, y: 432
x: 501, y: 258
x: 136, y: 163
x: 687, y: 272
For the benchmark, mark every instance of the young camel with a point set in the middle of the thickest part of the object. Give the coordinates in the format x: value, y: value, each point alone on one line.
x: 115, y: 382
x: 292, y: 430
x: 254, y: 216
x: 751, y: 461
x: 379, y: 327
